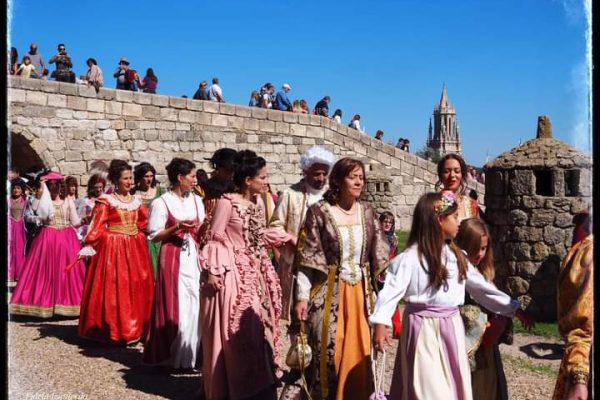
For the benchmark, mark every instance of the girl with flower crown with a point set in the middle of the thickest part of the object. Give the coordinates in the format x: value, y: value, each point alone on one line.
x: 431, y: 275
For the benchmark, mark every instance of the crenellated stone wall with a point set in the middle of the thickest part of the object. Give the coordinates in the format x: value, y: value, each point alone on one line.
x: 68, y: 126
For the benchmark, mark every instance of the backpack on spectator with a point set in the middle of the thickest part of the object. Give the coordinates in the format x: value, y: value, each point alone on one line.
x: 130, y: 76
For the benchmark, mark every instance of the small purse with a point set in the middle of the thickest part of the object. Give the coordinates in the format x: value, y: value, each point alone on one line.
x: 300, y: 354
x: 378, y: 376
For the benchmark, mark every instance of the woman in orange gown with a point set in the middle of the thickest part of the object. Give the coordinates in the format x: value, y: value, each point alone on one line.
x: 119, y: 285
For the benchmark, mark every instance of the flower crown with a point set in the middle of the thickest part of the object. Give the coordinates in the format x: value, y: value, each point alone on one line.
x: 447, y: 201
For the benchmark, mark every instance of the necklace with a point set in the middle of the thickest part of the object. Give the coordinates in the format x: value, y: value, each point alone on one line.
x: 127, y: 198
x: 351, y: 211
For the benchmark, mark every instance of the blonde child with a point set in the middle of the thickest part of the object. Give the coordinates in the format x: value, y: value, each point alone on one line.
x: 487, y: 380
x: 27, y: 69
x: 431, y: 275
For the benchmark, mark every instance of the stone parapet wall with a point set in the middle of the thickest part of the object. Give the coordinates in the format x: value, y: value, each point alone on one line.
x: 69, y: 126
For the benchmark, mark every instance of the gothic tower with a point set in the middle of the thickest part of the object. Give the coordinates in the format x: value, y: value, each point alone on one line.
x: 445, y: 135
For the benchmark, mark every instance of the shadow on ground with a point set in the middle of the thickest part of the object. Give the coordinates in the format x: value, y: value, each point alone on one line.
x: 164, y: 382
x: 543, y: 351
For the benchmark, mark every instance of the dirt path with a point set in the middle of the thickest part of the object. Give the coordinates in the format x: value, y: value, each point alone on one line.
x: 47, y: 360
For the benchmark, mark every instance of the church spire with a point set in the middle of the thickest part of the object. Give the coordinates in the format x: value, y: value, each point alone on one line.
x: 444, y: 98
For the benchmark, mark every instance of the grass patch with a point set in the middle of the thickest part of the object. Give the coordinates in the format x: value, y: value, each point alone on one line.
x: 523, y: 363
x: 545, y: 329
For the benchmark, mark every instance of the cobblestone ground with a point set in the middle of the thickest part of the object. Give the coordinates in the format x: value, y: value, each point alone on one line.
x: 47, y: 360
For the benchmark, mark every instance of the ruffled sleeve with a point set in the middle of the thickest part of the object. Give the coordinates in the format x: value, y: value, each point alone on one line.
x: 216, y: 257
x: 158, y: 218
x: 97, y: 229
x: 275, y: 237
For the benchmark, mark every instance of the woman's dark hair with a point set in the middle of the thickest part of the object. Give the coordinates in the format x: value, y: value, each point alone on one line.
x: 115, y: 168
x: 178, y: 166
x: 14, y: 56
x: 426, y: 232
x: 71, y: 181
x: 337, y: 112
x: 59, y: 184
x: 463, y: 171
x: 341, y: 170
x: 93, y: 181
x: 247, y: 164
x: 18, y: 182
x: 150, y: 75
x: 93, y: 61
x: 142, y: 169
x: 223, y: 159
x: 201, y: 177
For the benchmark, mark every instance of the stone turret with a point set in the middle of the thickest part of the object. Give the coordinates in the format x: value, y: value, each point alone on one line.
x: 532, y: 194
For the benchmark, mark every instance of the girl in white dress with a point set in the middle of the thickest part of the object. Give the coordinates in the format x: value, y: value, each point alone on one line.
x: 431, y: 275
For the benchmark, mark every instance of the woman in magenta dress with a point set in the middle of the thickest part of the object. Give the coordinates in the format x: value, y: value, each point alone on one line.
x: 16, y: 238
x: 240, y: 299
x: 119, y: 287
x: 175, y: 217
x: 51, y: 282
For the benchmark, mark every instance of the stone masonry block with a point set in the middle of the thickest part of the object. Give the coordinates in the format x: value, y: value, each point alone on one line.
x: 67, y: 88
x: 251, y: 124
x: 227, y: 109
x: 203, y: 118
x: 315, y: 119
x: 86, y: 91
x: 95, y: 105
x: 315, y: 132
x: 17, y: 96
x: 107, y: 94
x: 211, y: 107
x: 142, y: 98
x: 168, y: 114
x: 243, y: 111
x: 219, y: 120
x: 275, y: 115
x: 161, y: 101
x: 133, y: 110
x: 195, y: 105
x: 267, y: 126
x: 113, y: 107
x: 124, y: 95
x: 187, y: 116
x: 57, y: 100
x: 37, y: 98
x: 49, y: 86
x: 290, y: 117
x: 177, y: 102
x: 76, y: 103
x: 151, y: 112
x: 298, y: 130
x: 303, y: 119
x: 259, y: 113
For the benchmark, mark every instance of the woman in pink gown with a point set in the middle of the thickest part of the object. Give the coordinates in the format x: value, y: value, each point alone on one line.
x: 47, y: 287
x: 16, y: 230
x: 240, y: 302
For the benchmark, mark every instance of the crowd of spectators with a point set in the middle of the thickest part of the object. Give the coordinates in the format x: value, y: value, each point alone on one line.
x: 32, y: 66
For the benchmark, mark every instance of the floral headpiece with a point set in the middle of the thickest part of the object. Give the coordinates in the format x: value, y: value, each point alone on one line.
x: 448, y: 201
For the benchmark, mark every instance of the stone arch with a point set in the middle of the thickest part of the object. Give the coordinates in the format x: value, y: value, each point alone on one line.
x: 22, y: 154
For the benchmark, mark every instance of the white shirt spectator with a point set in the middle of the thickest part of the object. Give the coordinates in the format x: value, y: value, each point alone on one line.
x: 215, y: 93
x: 356, y: 125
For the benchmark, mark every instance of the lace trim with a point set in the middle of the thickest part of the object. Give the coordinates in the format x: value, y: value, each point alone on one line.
x: 113, y: 201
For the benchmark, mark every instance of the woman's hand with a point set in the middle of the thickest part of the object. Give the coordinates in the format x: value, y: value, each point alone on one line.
x: 301, y: 310
x: 188, y: 225
x: 215, y: 281
x: 381, y: 337
x: 526, y: 320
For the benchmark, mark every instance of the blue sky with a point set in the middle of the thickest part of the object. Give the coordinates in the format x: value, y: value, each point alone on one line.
x: 504, y: 62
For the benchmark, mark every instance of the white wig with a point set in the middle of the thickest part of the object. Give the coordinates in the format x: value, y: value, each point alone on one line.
x: 316, y: 155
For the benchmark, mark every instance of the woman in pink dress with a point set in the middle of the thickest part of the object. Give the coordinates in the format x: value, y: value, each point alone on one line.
x: 47, y: 287
x: 240, y: 302
x: 117, y: 296
x: 175, y: 217
x: 16, y: 238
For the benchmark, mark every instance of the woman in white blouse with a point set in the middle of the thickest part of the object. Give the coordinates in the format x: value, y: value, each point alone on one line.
x: 174, y: 337
x: 341, y: 251
x: 431, y: 275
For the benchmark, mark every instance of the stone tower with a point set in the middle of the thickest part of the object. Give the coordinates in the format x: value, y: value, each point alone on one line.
x: 532, y: 194
x: 444, y: 136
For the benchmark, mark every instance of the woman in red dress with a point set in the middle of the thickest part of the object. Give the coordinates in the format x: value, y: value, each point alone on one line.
x: 118, y: 291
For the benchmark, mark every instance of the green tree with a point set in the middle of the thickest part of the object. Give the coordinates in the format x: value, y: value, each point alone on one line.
x: 429, y: 153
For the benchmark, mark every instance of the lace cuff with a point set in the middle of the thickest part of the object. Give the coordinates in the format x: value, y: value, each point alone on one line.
x: 216, y: 257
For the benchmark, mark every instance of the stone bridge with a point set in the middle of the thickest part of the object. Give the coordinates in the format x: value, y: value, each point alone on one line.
x: 67, y: 126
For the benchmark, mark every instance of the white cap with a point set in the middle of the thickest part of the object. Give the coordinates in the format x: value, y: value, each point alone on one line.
x: 286, y: 86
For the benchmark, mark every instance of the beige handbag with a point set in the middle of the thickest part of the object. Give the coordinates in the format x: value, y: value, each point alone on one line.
x: 300, y: 354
